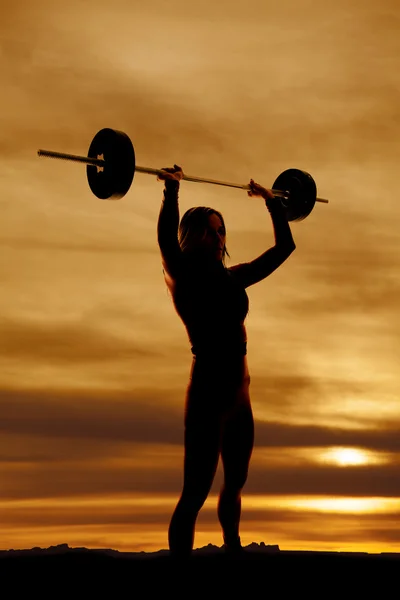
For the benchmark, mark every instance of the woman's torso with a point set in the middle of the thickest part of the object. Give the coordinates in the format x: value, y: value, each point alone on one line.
x: 213, y: 306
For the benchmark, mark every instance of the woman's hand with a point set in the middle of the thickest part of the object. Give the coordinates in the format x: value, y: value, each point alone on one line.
x: 174, y: 173
x: 258, y: 190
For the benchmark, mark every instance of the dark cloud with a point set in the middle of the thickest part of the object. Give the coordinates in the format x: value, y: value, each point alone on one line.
x: 78, y: 247
x: 102, y: 478
x: 28, y: 450
x: 130, y: 416
x: 280, y: 435
x: 92, y: 515
x: 140, y: 416
x: 75, y: 342
x: 134, y: 444
x: 382, y: 480
x: 286, y: 391
x: 296, y: 396
x: 389, y: 535
x: 76, y: 480
x: 118, y: 513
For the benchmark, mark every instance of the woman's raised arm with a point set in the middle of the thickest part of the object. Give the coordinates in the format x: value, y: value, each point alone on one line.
x: 168, y: 221
x: 262, y: 266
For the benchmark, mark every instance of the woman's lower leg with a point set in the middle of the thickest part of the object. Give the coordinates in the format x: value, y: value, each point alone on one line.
x: 229, y: 511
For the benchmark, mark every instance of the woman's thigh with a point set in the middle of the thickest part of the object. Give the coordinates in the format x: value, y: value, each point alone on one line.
x: 202, y: 440
x: 218, y: 419
x: 237, y: 442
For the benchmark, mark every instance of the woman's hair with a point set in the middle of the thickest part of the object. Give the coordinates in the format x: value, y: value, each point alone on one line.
x: 193, y: 227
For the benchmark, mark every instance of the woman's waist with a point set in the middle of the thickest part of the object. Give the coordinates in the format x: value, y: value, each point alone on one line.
x: 219, y: 341
x: 226, y: 369
x: 219, y: 350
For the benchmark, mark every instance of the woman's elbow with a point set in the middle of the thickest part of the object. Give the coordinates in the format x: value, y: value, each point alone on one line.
x: 287, y: 249
x: 291, y: 248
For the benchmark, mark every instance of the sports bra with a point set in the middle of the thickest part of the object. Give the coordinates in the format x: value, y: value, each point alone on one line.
x: 212, y: 305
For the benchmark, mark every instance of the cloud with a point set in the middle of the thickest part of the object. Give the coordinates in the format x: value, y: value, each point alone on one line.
x: 80, y: 247
x: 134, y: 443
x: 323, y: 331
x: 74, y: 342
x: 80, y: 479
x: 138, y: 415
x: 167, y: 97
x: 114, y: 512
x: 332, y: 402
x: 290, y: 529
x: 310, y: 480
x: 135, y: 416
x: 281, y: 435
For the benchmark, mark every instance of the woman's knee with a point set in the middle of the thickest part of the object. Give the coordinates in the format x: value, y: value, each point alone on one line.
x: 193, y: 500
x: 235, y: 482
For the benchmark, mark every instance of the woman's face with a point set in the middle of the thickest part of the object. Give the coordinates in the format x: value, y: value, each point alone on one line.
x: 213, y: 241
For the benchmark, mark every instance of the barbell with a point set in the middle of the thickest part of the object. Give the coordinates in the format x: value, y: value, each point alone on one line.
x: 111, y: 166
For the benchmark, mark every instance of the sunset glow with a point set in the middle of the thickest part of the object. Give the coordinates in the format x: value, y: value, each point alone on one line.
x: 350, y: 457
x: 94, y: 361
x: 109, y: 519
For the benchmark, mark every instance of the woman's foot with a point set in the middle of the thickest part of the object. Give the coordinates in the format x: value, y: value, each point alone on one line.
x: 233, y: 547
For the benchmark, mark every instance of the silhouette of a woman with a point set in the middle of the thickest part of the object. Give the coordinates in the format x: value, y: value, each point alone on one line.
x: 212, y: 302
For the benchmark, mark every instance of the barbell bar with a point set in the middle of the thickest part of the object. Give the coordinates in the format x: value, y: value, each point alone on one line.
x: 111, y: 166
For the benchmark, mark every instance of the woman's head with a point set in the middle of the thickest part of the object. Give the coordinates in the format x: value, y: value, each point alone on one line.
x: 202, y: 232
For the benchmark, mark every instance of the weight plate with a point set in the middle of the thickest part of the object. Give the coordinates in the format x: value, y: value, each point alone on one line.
x: 302, y: 193
x: 112, y: 181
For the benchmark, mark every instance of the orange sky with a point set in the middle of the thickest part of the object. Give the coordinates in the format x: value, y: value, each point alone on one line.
x: 94, y: 360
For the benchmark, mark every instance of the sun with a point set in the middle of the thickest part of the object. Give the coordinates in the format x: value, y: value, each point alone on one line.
x: 345, y: 457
